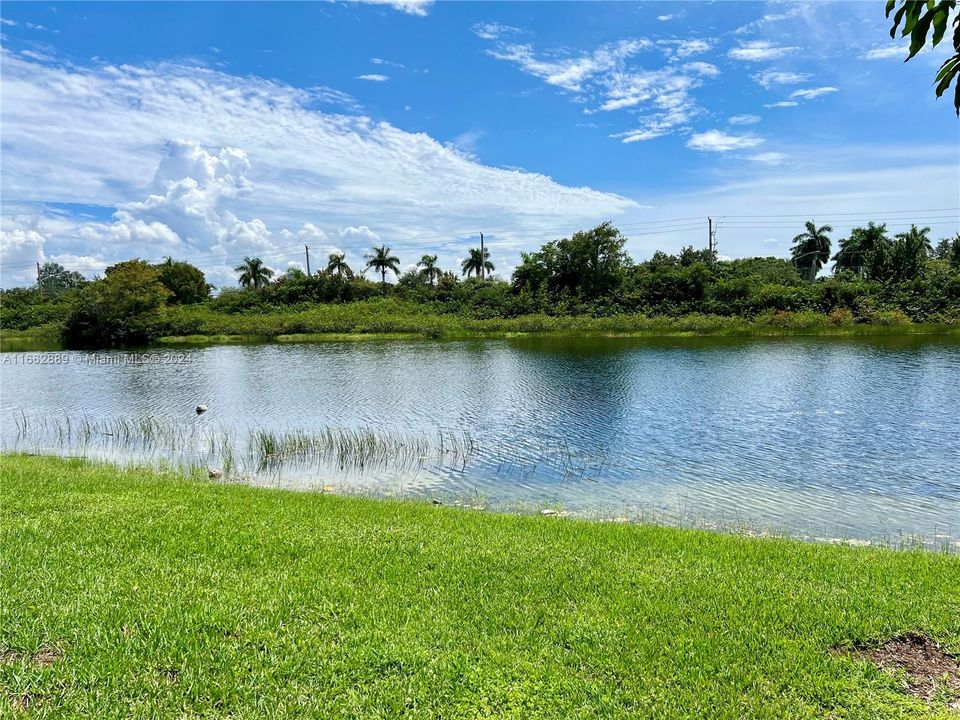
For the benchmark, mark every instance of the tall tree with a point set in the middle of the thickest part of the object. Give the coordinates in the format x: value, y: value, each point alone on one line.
x: 337, y: 265
x: 186, y: 283
x: 918, y: 16
x: 918, y: 238
x: 811, y: 249
x: 855, y: 249
x: 949, y: 249
x: 117, y: 309
x: 253, y: 273
x: 428, y: 268
x: 55, y: 278
x: 909, y: 253
x: 477, y: 261
x: 589, y: 264
x: 381, y: 260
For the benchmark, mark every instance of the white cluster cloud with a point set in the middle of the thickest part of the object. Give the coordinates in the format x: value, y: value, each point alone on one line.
x: 259, y: 157
x: 20, y: 247
x: 719, y: 141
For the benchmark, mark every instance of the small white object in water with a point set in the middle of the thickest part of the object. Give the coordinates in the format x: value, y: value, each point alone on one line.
x: 548, y: 511
x: 201, y: 409
x: 213, y: 473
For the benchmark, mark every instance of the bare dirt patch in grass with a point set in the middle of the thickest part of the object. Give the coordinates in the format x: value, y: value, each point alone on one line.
x: 931, y: 673
x: 46, y: 656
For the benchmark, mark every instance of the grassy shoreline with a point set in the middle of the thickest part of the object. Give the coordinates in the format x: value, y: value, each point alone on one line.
x: 745, y: 332
x: 186, y: 326
x: 162, y: 596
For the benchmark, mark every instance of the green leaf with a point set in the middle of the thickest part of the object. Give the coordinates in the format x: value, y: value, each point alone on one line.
x: 913, y: 16
x: 919, y: 35
x: 896, y: 20
x: 945, y: 82
x: 950, y: 64
x: 939, y: 25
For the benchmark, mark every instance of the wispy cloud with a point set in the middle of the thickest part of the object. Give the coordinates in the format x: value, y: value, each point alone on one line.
x: 494, y: 30
x: 466, y: 143
x: 782, y: 104
x: 571, y: 73
x: 886, y: 52
x: 759, y: 51
x: 702, y: 68
x: 410, y: 7
x: 812, y: 93
x: 329, y: 96
x: 374, y: 77
x: 769, y: 78
x: 389, y: 63
x: 719, y: 141
x: 680, y: 49
x: 768, y: 158
x: 743, y: 119
x: 609, y: 75
x: 767, y: 19
x: 666, y: 17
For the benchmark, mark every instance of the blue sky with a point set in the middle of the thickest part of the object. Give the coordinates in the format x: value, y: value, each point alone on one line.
x: 218, y: 130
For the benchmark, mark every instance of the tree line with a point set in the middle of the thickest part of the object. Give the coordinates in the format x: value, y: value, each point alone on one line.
x: 587, y: 273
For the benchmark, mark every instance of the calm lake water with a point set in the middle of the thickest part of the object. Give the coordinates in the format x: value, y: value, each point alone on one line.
x: 826, y: 437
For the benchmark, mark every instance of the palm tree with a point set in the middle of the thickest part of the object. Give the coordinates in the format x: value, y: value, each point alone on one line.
x: 811, y: 249
x: 477, y: 263
x: 855, y: 249
x: 917, y: 238
x: 253, y: 273
x: 430, y: 270
x: 337, y: 265
x: 381, y: 260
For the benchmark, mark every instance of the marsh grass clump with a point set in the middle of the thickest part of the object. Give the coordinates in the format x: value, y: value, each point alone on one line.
x: 359, y: 448
x: 259, y: 450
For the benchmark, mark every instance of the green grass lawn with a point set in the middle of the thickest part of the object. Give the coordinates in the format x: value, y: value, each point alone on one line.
x: 173, y: 598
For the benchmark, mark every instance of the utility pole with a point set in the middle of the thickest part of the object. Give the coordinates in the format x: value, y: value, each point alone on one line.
x: 308, y: 259
x: 711, y: 238
x: 39, y: 286
x: 483, y: 260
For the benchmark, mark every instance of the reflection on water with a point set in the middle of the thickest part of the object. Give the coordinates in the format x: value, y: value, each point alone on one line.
x: 842, y: 437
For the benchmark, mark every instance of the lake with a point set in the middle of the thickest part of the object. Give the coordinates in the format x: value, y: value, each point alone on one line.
x: 819, y: 437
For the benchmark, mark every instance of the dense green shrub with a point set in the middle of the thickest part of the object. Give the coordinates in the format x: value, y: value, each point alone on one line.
x: 586, y: 281
x: 117, y: 309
